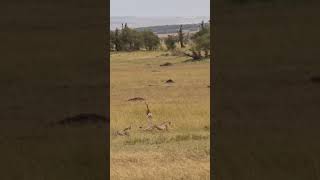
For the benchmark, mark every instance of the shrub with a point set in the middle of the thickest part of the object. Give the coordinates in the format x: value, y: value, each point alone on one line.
x: 170, y: 42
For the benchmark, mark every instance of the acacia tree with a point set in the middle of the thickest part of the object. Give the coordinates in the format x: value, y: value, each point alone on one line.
x: 201, y: 42
x: 186, y: 38
x: 126, y: 38
x: 151, y: 41
x: 112, y: 40
x: 137, y: 40
x: 181, y: 37
x: 170, y: 42
x: 117, y: 40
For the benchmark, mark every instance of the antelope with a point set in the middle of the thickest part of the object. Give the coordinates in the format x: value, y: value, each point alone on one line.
x: 163, y: 126
x: 151, y: 126
x: 149, y: 116
x: 123, y: 132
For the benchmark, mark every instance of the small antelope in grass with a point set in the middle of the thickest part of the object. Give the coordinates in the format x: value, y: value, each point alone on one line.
x: 149, y: 116
x: 163, y: 126
x: 123, y: 132
x: 151, y: 126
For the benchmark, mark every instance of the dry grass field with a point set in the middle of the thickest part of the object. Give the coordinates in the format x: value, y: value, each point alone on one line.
x: 181, y: 153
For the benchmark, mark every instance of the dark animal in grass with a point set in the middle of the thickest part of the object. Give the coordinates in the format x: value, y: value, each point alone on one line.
x: 81, y: 119
x: 170, y: 81
x: 136, y: 99
x: 166, y: 64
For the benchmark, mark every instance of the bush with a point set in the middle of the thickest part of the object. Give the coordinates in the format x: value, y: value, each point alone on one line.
x: 200, y: 43
x: 170, y: 42
x: 177, y: 52
x: 151, y: 41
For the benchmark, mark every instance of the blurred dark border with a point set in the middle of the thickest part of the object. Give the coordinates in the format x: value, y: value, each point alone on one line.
x: 108, y: 89
x: 265, y: 97
x: 212, y: 104
x: 54, y: 68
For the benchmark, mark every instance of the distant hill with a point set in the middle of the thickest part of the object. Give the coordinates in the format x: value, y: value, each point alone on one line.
x: 169, y: 29
x: 137, y: 22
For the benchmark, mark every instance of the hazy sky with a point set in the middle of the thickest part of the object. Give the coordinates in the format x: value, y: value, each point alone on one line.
x: 160, y: 8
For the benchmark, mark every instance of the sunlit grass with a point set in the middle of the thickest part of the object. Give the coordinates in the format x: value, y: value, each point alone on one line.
x: 183, y: 151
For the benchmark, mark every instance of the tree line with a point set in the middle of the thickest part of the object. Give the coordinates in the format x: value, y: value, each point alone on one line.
x: 128, y: 39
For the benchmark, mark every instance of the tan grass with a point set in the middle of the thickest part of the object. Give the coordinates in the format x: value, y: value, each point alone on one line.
x: 183, y: 152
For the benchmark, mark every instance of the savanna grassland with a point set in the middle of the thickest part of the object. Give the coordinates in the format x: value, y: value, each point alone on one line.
x: 183, y: 151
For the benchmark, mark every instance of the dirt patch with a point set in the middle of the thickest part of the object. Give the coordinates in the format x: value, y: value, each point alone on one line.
x: 170, y: 81
x: 136, y: 99
x: 166, y: 54
x: 166, y: 64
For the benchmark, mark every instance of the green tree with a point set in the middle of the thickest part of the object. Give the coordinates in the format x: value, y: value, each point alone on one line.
x: 126, y: 38
x: 201, y: 42
x: 137, y: 40
x: 186, y: 38
x: 151, y: 41
x: 131, y: 39
x: 112, y: 40
x: 181, y: 37
x: 170, y: 42
x: 117, y: 40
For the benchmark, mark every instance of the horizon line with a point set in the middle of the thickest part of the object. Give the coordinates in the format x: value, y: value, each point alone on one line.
x: 158, y: 16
